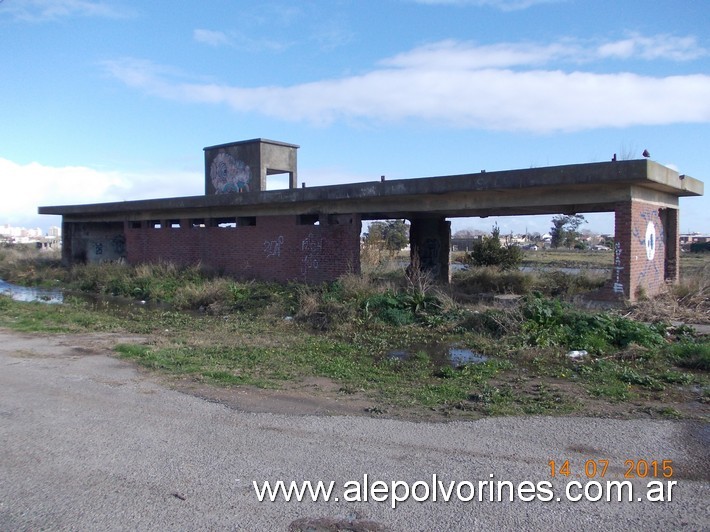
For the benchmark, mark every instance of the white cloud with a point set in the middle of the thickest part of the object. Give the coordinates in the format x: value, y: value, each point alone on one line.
x: 145, y: 75
x: 652, y: 48
x: 28, y: 186
x: 450, y: 54
x: 42, y: 10
x: 239, y: 40
x: 457, y: 55
x: 25, y: 187
x: 503, y: 5
x: 499, y: 87
x: 211, y: 38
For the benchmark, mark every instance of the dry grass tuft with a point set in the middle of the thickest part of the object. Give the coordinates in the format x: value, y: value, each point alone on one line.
x: 359, y: 287
x: 27, y: 265
x: 322, y: 313
x: 688, y: 301
x: 419, y: 279
x: 212, y: 295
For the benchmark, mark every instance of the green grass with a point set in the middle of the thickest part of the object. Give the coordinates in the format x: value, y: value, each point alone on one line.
x: 343, y: 331
x: 691, y: 354
x: 41, y: 317
x: 263, y: 352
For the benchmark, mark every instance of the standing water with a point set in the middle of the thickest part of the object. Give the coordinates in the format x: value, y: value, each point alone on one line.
x: 26, y: 293
x: 440, y: 354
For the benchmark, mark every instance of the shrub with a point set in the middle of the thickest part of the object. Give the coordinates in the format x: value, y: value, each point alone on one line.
x: 388, y: 308
x: 402, y: 308
x: 552, y: 323
x: 699, y: 247
x: 691, y: 354
x: 489, y: 252
x: 487, y: 280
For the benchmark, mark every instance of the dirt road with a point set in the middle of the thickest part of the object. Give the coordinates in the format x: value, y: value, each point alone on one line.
x: 87, y: 442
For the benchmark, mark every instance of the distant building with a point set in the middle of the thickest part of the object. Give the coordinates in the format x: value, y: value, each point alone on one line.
x: 9, y: 231
x: 688, y: 239
x: 464, y: 244
x: 22, y: 235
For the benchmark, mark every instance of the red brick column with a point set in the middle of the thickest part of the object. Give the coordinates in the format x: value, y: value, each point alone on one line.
x: 640, y: 249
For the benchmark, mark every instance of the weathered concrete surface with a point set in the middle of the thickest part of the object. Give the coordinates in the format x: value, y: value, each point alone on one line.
x: 549, y: 190
x: 89, y: 443
x: 247, y: 164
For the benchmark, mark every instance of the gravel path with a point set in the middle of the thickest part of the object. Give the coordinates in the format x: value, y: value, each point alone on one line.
x: 87, y: 442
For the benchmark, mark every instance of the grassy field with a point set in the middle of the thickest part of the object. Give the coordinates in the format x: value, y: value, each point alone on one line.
x: 690, y: 263
x: 353, y: 333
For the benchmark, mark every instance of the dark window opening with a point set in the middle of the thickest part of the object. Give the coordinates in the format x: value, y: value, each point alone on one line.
x: 229, y: 222
x: 246, y: 221
x: 308, y: 219
x: 197, y: 222
x: 174, y: 224
x: 155, y: 224
x: 340, y: 219
x: 136, y: 224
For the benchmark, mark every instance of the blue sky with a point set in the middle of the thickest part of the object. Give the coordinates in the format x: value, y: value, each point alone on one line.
x: 106, y: 100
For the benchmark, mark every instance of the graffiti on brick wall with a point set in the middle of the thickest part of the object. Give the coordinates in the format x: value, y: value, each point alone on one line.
x: 229, y: 174
x: 618, y: 285
x: 646, y: 236
x: 118, y: 243
x: 429, y: 256
x: 272, y: 248
x: 109, y: 249
x: 312, y: 248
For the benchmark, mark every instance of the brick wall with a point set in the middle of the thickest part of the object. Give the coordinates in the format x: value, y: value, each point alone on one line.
x: 276, y: 248
x: 646, y: 244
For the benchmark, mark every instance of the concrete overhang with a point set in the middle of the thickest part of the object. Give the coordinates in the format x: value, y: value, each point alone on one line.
x: 591, y: 187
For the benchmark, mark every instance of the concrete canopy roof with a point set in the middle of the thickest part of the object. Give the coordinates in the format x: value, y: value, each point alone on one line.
x: 591, y: 187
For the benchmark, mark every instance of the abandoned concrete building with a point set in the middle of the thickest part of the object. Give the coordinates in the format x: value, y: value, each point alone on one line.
x: 313, y: 234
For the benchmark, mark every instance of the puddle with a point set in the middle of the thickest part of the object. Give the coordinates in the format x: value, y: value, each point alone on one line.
x: 440, y: 354
x: 56, y: 296
x: 29, y: 294
x: 118, y: 304
x: 460, y: 356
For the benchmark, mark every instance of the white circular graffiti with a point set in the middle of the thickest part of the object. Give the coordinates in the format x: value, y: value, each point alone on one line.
x: 650, y: 241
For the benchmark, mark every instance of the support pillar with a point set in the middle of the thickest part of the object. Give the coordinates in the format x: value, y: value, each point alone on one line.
x: 430, y: 242
x: 67, y: 243
x: 645, y: 249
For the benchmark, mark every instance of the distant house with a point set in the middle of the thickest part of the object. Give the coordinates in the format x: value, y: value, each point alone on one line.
x: 689, y: 239
x: 464, y: 244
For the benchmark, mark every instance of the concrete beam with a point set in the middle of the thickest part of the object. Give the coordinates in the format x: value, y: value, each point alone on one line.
x: 593, y: 187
